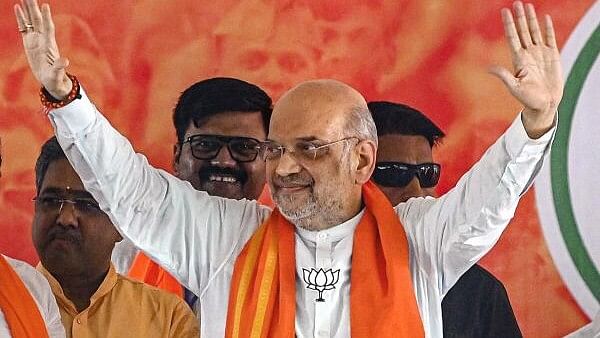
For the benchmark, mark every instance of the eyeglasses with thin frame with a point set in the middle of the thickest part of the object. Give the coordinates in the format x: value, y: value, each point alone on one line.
x: 398, y: 174
x: 207, y: 147
x: 52, y: 204
x: 302, y: 150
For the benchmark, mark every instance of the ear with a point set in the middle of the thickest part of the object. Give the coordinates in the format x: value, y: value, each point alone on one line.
x: 366, y: 151
x: 176, y: 154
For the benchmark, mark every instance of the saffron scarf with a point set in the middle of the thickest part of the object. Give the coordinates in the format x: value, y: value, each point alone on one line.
x: 262, y: 299
x: 20, y: 309
x: 146, y: 270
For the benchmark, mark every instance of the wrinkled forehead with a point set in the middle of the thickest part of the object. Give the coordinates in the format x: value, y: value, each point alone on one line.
x: 292, y: 125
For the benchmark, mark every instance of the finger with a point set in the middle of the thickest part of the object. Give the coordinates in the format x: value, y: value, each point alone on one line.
x: 534, y: 27
x: 522, y: 27
x: 510, y: 31
x: 20, y: 18
x: 550, y: 36
x: 48, y: 24
x: 34, y: 14
x: 505, y: 75
x: 25, y: 6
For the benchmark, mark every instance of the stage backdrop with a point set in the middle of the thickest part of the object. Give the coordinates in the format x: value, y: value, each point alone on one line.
x: 135, y: 57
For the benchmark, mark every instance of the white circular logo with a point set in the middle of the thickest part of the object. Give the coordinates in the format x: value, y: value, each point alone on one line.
x: 568, y: 187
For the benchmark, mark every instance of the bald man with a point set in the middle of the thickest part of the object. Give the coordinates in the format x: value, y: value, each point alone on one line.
x: 334, y: 258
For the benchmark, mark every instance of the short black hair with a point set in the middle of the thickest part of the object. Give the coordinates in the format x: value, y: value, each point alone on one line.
x: 397, y: 118
x: 217, y: 95
x: 51, y: 151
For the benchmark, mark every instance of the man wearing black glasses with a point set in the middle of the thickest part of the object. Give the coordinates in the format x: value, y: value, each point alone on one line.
x: 477, y: 305
x: 219, y: 123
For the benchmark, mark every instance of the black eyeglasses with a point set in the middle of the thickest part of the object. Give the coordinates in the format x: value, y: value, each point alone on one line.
x: 207, y: 147
x: 398, y: 174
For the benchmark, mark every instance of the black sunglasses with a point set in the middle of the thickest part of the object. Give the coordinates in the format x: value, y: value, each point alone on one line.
x: 207, y: 147
x: 398, y: 174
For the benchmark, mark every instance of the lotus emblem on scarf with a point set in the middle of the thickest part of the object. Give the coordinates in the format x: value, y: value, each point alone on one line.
x: 320, y: 280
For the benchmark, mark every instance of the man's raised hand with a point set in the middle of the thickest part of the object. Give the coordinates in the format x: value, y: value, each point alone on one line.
x: 37, y: 29
x: 536, y: 80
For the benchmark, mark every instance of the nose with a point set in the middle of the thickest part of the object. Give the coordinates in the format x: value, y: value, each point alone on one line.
x: 67, y: 215
x: 413, y: 189
x: 224, y: 158
x: 287, y: 165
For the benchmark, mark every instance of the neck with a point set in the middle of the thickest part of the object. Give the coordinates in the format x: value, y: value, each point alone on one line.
x: 79, y: 288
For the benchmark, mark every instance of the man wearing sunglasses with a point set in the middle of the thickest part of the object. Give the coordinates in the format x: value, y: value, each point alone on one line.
x: 334, y: 258
x: 477, y: 305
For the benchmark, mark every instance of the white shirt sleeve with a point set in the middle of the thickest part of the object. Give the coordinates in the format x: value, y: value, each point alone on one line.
x: 449, y: 234
x: 42, y: 294
x: 187, y: 232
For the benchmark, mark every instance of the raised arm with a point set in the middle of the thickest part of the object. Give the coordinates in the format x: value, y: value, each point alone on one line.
x: 453, y: 232
x: 186, y: 231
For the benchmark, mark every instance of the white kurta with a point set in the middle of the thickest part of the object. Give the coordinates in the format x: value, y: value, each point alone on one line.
x: 39, y: 289
x: 197, y: 237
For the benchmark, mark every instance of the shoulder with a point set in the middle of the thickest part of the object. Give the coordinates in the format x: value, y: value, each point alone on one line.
x: 40, y: 290
x: 34, y: 281
x: 150, y: 294
x: 481, y: 276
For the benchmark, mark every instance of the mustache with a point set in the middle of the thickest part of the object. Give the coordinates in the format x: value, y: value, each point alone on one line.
x: 294, y: 180
x: 207, y: 171
x: 59, y: 232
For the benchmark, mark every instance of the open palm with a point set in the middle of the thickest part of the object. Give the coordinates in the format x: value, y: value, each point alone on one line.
x: 536, y: 80
x: 39, y: 41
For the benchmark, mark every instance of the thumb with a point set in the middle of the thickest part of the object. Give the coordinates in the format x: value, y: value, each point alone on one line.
x: 503, y: 74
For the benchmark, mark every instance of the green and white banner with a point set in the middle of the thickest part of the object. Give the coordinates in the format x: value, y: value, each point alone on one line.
x: 568, y: 189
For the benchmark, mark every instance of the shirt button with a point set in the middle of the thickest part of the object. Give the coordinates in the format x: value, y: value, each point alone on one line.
x: 78, y: 321
x: 322, y: 235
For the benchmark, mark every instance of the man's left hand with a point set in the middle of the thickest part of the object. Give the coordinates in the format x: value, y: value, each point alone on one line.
x: 537, y: 80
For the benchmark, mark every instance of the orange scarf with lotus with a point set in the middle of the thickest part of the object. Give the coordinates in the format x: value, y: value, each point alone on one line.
x: 18, y: 306
x: 262, y: 299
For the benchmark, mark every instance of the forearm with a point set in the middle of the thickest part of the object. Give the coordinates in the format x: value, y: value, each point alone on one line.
x: 454, y: 231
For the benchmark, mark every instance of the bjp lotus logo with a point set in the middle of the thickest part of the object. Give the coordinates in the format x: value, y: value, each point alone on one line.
x: 320, y: 280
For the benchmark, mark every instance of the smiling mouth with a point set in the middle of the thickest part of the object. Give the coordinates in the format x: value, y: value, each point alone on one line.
x: 222, y: 178
x: 293, y: 189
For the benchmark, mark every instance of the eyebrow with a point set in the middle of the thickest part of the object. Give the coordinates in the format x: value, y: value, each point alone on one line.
x: 61, y: 191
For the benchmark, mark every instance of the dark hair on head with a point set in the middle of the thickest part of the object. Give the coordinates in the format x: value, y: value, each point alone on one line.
x: 51, y: 151
x: 217, y: 95
x: 397, y: 118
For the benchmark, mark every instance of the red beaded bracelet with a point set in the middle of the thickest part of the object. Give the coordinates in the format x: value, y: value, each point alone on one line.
x: 50, y: 102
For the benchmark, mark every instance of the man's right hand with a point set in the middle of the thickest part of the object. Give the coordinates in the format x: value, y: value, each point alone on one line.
x: 37, y: 29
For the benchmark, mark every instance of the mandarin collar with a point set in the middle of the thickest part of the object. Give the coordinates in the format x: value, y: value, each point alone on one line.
x: 105, y: 287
